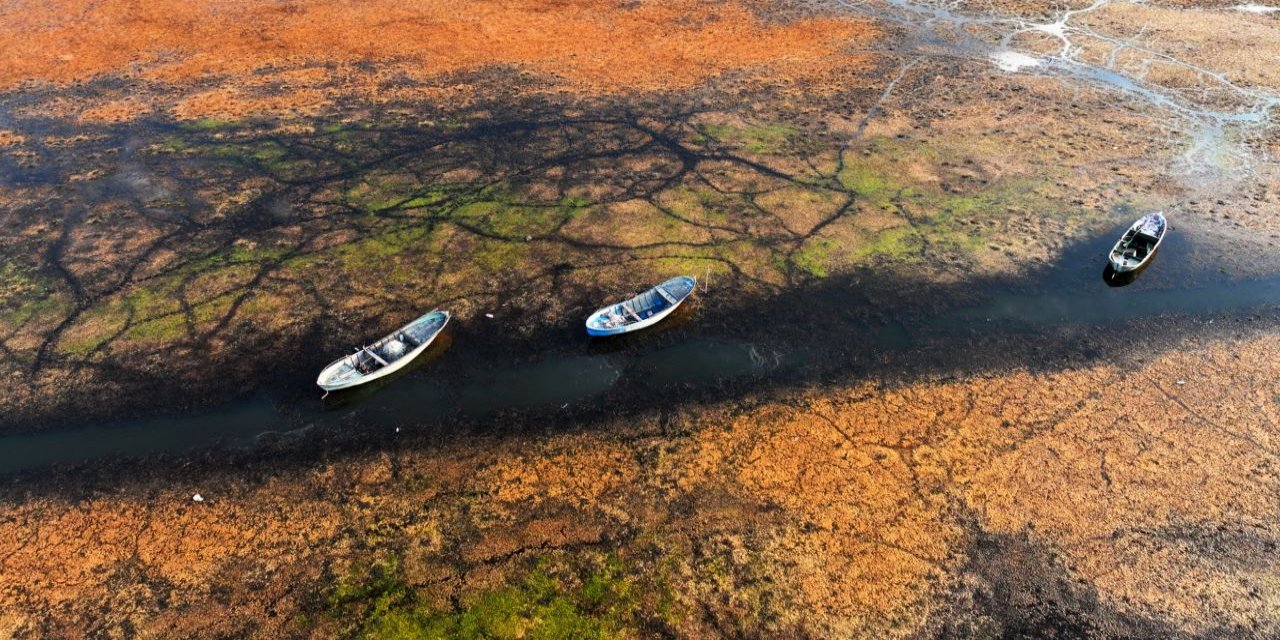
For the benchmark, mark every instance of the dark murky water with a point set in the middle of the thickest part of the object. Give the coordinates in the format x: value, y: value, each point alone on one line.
x: 239, y: 423
x: 659, y: 366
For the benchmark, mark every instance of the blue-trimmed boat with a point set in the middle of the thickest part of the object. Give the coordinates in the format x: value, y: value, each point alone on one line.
x: 386, y: 356
x: 644, y: 310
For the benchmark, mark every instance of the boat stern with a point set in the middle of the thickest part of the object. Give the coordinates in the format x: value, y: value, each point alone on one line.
x: 1121, y: 265
x: 340, y: 374
x: 595, y: 326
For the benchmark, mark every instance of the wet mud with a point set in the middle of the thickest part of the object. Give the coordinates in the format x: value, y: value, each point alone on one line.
x: 836, y: 331
x: 906, y: 402
x: 869, y: 506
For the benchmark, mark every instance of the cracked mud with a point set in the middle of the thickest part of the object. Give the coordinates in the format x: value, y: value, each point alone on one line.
x: 949, y: 426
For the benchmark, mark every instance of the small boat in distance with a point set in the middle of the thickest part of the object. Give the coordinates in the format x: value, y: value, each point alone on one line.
x: 1137, y: 246
x: 385, y: 356
x: 644, y: 310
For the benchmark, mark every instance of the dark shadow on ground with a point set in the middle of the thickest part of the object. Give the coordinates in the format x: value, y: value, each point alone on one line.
x: 215, y: 230
x: 1014, y: 587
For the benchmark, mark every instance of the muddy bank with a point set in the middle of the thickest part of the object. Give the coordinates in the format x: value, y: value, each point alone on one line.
x: 188, y: 261
x: 906, y: 406
x: 200, y: 60
x: 867, y: 507
x: 840, y: 330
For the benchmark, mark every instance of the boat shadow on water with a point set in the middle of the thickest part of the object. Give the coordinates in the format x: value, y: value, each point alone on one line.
x: 353, y: 397
x: 1117, y: 279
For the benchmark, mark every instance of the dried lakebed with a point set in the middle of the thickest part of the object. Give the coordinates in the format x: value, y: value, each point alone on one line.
x: 705, y: 354
x: 907, y: 406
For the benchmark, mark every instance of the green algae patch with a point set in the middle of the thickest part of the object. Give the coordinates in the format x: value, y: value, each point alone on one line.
x: 490, y: 237
x: 899, y: 244
x: 175, y: 325
x: 94, y: 329
x: 815, y: 257
x: 865, y: 181
x: 172, y: 145
x: 27, y: 298
x: 239, y: 254
x: 510, y: 219
x: 551, y: 601
x: 267, y: 154
x: 155, y: 311
x: 381, y: 192
x: 151, y: 313
x: 17, y: 283
x: 208, y: 124
x: 372, y: 251
x: 396, y: 256
x: 35, y: 312
x: 812, y: 215
x: 698, y: 206
x: 490, y: 255
x: 757, y: 139
x: 916, y: 200
x: 700, y: 267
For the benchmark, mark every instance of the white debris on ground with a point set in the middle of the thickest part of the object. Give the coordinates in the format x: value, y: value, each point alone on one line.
x: 1255, y: 8
x: 1013, y: 61
x: 197, y: 498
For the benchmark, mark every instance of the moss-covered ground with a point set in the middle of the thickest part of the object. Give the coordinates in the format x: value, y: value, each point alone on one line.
x: 363, y: 210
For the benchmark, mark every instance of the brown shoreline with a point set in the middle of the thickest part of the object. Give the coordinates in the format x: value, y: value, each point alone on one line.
x: 311, y: 52
x: 311, y: 176
x: 708, y: 467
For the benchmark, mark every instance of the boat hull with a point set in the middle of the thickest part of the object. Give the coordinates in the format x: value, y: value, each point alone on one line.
x: 647, y: 322
x: 325, y: 382
x: 595, y: 328
x: 1120, y: 264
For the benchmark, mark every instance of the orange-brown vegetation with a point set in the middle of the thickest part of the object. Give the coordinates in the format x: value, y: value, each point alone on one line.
x: 306, y: 51
x: 115, y: 111
x: 851, y: 511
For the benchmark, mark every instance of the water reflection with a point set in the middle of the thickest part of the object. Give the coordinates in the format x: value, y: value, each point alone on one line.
x: 700, y: 361
x: 556, y: 381
x: 1116, y: 279
x: 236, y: 425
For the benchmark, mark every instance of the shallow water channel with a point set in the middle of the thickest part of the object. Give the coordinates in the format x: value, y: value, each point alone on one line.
x: 684, y: 356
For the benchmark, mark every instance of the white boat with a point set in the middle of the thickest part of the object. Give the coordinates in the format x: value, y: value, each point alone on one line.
x: 385, y: 356
x: 644, y: 310
x: 1138, y: 245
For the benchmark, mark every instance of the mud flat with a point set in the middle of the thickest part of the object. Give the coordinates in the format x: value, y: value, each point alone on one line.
x: 175, y: 264
x: 166, y: 260
x: 1117, y: 499
x: 836, y: 330
x: 951, y: 427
